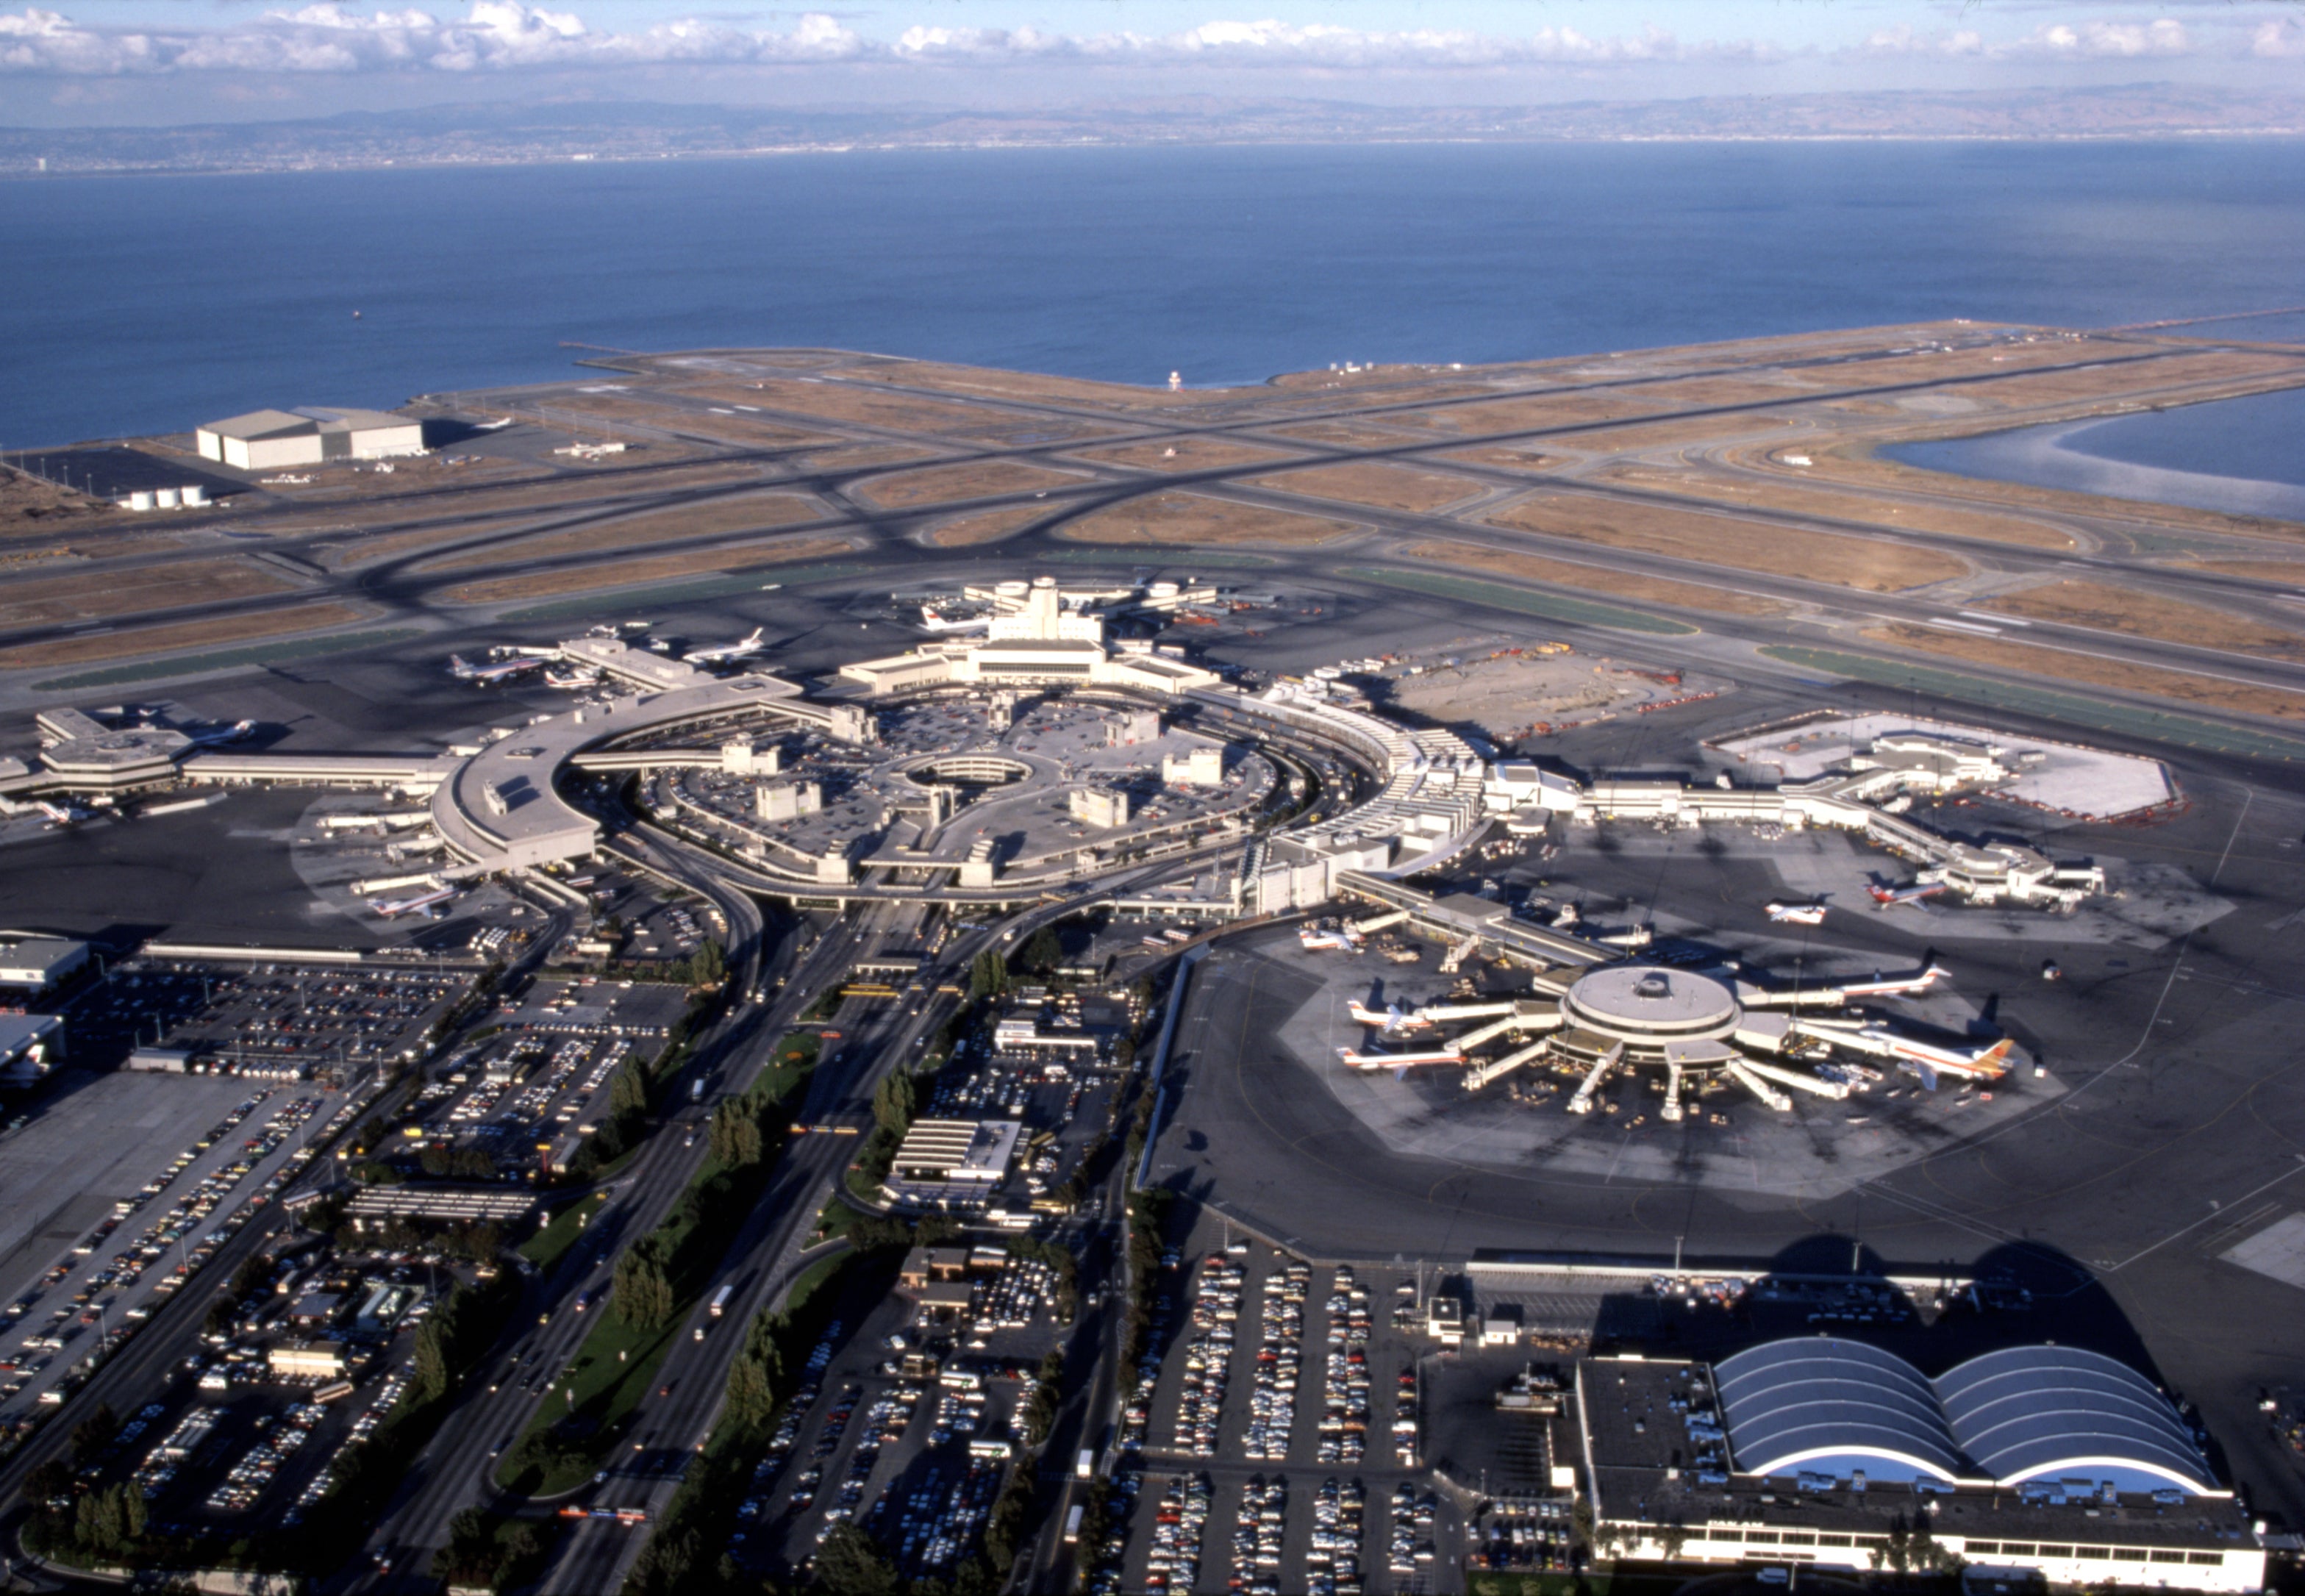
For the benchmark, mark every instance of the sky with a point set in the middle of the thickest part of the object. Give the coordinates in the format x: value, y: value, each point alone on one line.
x: 97, y: 61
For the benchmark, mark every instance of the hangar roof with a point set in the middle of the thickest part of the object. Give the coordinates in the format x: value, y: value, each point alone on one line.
x: 2030, y: 1412
x: 2020, y: 1414
x: 1791, y: 1402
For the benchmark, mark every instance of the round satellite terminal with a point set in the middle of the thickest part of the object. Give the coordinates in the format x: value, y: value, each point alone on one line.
x: 1650, y: 1003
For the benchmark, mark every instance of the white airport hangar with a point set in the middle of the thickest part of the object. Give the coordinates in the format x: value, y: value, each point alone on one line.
x: 2042, y: 1460
x: 310, y: 435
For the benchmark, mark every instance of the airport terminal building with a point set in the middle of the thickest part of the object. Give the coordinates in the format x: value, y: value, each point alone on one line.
x: 2042, y: 1461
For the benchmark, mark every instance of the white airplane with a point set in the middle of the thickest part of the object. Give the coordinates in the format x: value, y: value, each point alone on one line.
x: 1358, y: 1060
x: 392, y: 908
x: 1928, y: 1061
x: 933, y: 621
x: 1343, y: 939
x: 1797, y: 913
x: 1390, y: 1020
x: 572, y: 681
x: 1885, y: 897
x: 494, y: 426
x: 1897, y: 985
x: 488, y: 676
x: 744, y: 648
x: 239, y: 731
x: 62, y: 814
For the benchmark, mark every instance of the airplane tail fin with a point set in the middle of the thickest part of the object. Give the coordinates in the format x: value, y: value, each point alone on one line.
x: 1995, y: 1059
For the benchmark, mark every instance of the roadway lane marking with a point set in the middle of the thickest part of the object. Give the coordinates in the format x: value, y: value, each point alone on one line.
x: 1949, y: 625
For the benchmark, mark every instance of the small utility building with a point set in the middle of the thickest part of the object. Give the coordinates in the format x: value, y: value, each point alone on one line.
x: 309, y: 435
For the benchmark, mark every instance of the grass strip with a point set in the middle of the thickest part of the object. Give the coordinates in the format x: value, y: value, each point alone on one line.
x: 2072, y: 708
x: 682, y: 592
x: 189, y: 665
x: 1522, y: 600
x: 1164, y: 559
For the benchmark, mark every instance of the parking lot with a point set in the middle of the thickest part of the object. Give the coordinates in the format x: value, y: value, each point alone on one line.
x: 537, y: 1076
x: 102, y: 1286
x: 904, y: 1422
x: 1287, y: 1400
x: 276, y: 1019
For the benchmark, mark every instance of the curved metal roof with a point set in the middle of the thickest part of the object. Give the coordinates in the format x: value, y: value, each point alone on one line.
x: 1789, y: 1403
x: 2030, y: 1412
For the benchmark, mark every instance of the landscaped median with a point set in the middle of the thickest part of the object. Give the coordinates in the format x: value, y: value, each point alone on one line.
x: 659, y: 1278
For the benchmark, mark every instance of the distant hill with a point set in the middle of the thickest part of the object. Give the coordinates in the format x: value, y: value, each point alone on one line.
x: 561, y: 131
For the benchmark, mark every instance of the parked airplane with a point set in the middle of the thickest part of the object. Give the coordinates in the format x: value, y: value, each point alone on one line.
x: 1391, y: 1019
x: 394, y: 907
x: 933, y: 621
x: 208, y: 736
x: 1897, y: 985
x: 1887, y: 897
x: 488, y: 676
x: 743, y: 648
x: 1928, y: 1061
x: 571, y: 681
x: 1797, y: 913
x: 1359, y: 1061
x: 1343, y: 939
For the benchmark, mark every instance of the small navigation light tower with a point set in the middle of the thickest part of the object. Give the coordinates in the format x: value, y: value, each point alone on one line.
x: 1176, y: 381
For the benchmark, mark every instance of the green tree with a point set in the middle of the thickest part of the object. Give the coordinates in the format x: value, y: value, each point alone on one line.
x: 628, y: 1092
x: 644, y: 1296
x: 709, y: 965
x: 1044, y: 952
x: 988, y: 976
x: 93, y: 1434
x: 751, y: 1390
x: 733, y: 1135
x: 849, y: 1564
x: 896, y: 1100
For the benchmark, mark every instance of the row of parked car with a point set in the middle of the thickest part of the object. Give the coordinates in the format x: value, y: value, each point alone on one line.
x: 1280, y: 1360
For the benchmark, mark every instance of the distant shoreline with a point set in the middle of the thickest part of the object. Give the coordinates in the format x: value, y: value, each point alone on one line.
x: 18, y: 171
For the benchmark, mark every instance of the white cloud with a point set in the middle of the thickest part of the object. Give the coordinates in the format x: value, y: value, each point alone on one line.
x: 1904, y: 40
x: 2115, y: 41
x: 2282, y: 38
x: 510, y: 35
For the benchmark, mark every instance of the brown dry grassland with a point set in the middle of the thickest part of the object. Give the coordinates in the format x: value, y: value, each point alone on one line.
x: 1871, y: 471
x: 619, y: 574
x: 184, y: 635
x: 1354, y: 434
x: 1533, y: 413
x: 986, y: 526
x: 1501, y: 455
x: 850, y: 401
x: 2055, y: 663
x: 2280, y: 573
x: 1036, y: 387
x: 1192, y: 455
x: 2246, y: 372
x: 982, y: 479
x: 88, y: 594
x: 858, y: 457
x: 1374, y: 483
x: 752, y: 512
x: 2111, y: 608
x: 1794, y: 497
x: 1188, y: 518
x: 1869, y: 566
x: 1561, y: 573
x: 1673, y: 434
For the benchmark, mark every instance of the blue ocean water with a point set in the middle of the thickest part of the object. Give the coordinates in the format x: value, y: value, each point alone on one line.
x: 2239, y: 455
x: 136, y: 305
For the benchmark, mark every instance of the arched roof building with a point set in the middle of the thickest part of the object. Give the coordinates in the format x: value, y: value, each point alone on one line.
x: 1832, y: 1406
x: 2026, y: 1414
